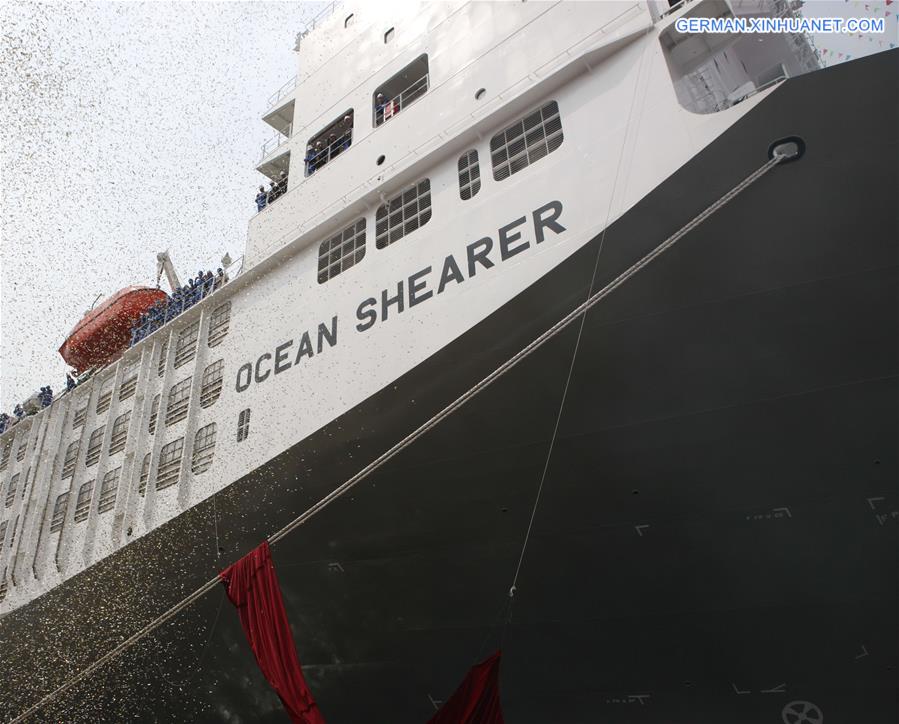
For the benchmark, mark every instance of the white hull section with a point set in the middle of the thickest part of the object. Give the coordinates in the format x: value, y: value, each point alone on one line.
x: 624, y: 133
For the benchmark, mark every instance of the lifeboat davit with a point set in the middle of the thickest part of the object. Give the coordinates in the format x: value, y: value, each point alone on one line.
x: 105, y: 332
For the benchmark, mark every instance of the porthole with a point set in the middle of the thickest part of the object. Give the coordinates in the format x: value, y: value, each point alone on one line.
x: 480, y: 93
x: 380, y: 159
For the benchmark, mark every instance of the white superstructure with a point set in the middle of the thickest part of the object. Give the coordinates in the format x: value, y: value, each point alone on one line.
x: 442, y: 207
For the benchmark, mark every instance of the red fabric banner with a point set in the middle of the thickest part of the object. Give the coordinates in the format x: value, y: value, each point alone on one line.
x: 253, y: 589
x: 476, y: 701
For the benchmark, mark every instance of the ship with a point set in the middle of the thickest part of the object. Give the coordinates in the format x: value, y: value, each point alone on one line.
x: 565, y: 334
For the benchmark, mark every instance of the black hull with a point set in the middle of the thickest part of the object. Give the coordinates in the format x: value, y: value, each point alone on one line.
x: 715, y: 537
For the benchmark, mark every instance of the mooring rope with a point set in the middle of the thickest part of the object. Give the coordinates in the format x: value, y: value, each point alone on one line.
x: 628, y: 124
x: 424, y: 428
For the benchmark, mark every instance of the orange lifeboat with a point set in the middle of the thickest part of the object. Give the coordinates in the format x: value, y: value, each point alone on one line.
x: 105, y: 332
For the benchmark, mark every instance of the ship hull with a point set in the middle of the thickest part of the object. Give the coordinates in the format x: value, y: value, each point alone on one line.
x: 715, y: 538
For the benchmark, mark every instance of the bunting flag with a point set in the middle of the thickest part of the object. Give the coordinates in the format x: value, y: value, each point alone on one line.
x: 253, y: 588
x: 476, y: 701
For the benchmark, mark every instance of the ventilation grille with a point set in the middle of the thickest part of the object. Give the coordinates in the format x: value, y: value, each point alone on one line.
x: 4, y: 456
x: 108, y: 490
x: 243, y: 425
x: 169, y: 464
x: 68, y: 465
x: 186, y: 347
x: 144, y: 476
x: 219, y: 323
x: 342, y: 251
x: 211, y: 386
x: 204, y: 449
x: 11, y: 490
x: 469, y: 175
x: 530, y: 139
x: 179, y: 399
x: 94, y: 446
x: 119, y: 433
x: 403, y: 214
x: 154, y: 415
x: 59, y: 513
x: 80, y: 417
x: 163, y: 354
x: 83, y: 504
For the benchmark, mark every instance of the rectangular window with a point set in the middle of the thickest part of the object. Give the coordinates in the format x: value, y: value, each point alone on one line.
x: 403, y: 214
x: 80, y: 417
x: 11, y: 490
x: 83, y: 503
x: 169, y: 464
x: 3, y: 526
x: 204, y: 449
x: 186, y: 347
x: 163, y: 355
x: 211, y: 384
x: 179, y: 398
x: 119, y: 433
x: 129, y: 379
x: 68, y: 465
x: 469, y: 175
x: 20, y: 453
x: 219, y: 322
x: 108, y: 489
x: 341, y: 251
x: 243, y: 425
x: 7, y: 451
x: 401, y: 91
x: 526, y: 141
x: 94, y: 446
x: 12, y: 534
x: 59, y: 513
x: 105, y: 396
x: 154, y: 415
x: 144, y: 476
x: 328, y: 144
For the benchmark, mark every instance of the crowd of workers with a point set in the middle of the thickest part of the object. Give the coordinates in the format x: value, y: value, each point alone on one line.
x: 182, y: 298
x: 277, y: 189
x: 33, y: 404
x: 204, y: 284
x: 320, y: 152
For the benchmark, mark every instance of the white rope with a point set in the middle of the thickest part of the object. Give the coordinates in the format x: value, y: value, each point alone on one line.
x: 513, y: 588
x: 417, y: 433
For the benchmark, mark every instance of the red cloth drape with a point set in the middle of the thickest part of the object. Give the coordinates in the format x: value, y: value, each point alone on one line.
x: 253, y: 589
x: 476, y: 701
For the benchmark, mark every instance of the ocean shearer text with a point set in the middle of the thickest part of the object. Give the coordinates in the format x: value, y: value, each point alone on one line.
x: 511, y: 239
x: 779, y: 25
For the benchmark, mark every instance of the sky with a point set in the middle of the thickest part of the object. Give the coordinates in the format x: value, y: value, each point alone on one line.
x: 127, y: 128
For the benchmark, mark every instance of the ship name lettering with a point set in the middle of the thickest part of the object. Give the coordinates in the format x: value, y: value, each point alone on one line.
x: 260, y: 370
x: 414, y: 289
x: 479, y: 257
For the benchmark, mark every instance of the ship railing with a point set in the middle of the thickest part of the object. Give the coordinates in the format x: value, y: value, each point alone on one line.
x: 175, y: 306
x: 276, y: 141
x: 764, y: 86
x: 280, y: 93
x: 674, y: 8
x: 323, y: 157
x: 388, y: 109
x: 325, y: 13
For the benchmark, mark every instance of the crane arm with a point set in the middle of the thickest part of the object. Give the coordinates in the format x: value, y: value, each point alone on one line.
x: 164, y: 264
